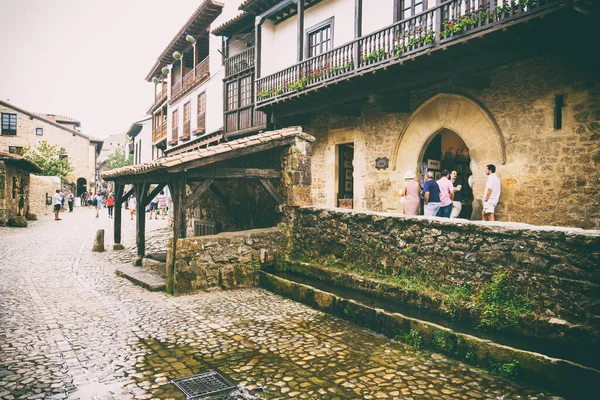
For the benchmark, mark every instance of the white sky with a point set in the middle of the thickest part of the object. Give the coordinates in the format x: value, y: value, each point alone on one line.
x: 86, y: 59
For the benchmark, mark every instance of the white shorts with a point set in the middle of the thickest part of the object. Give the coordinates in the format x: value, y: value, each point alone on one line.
x: 488, y: 208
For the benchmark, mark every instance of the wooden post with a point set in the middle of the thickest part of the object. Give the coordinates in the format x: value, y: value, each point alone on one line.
x: 300, y: 17
x: 117, y: 217
x: 257, y: 45
x: 140, y: 223
x: 177, y: 188
x: 357, y: 18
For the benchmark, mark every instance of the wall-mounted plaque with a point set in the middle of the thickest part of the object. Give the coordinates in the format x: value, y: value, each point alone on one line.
x: 434, y: 164
x: 382, y: 163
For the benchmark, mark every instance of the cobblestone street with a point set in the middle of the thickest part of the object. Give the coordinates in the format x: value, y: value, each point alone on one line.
x: 71, y: 329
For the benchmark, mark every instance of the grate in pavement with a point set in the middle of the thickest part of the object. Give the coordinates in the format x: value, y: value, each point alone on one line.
x: 207, y: 384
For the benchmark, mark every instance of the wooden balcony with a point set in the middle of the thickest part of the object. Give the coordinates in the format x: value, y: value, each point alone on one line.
x: 436, y: 28
x: 174, y: 135
x: 159, y: 134
x: 161, y: 96
x: 191, y: 80
x: 186, y: 130
x: 200, y: 124
x: 239, y: 63
x: 244, y: 120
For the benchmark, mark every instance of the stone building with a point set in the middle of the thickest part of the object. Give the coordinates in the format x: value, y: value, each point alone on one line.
x: 22, y: 130
x: 14, y: 185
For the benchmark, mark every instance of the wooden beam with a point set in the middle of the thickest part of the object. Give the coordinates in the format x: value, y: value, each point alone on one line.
x: 153, y: 194
x: 219, y: 195
x: 300, y: 40
x: 198, y: 192
x: 141, y: 190
x: 220, y: 173
x: 177, y: 187
x: 271, y: 190
x: 124, y: 197
x: 119, y: 188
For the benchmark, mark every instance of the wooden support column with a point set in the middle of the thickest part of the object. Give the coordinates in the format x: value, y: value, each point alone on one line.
x: 300, y: 10
x: 258, y: 44
x: 358, y: 7
x: 141, y: 190
x: 117, y: 216
x: 177, y: 188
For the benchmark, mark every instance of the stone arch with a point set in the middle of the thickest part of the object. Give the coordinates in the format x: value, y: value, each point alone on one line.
x: 468, y: 119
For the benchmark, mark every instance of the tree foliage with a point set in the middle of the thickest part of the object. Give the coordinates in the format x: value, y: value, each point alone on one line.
x: 48, y: 157
x: 118, y: 159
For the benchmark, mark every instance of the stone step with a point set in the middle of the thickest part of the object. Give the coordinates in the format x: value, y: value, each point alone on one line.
x: 563, y: 376
x: 144, y: 277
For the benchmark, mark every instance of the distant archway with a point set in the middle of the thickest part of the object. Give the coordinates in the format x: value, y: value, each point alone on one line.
x: 81, y: 186
x: 464, y: 116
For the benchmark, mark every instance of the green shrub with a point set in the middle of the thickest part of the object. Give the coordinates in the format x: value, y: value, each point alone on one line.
x: 507, y: 370
x: 500, y: 303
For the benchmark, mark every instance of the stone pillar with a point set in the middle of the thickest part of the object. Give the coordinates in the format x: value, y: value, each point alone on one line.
x: 296, y: 167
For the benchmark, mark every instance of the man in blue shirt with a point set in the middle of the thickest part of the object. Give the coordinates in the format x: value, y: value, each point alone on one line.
x: 431, y: 196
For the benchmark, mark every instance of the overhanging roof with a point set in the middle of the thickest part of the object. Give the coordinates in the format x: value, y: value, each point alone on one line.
x: 235, y: 25
x: 19, y: 162
x: 210, y: 155
x: 196, y: 25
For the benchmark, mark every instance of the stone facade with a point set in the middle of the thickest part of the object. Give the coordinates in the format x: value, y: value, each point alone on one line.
x: 559, y: 266
x: 12, y: 179
x: 548, y: 175
x: 224, y: 261
x: 42, y: 186
x: 80, y: 149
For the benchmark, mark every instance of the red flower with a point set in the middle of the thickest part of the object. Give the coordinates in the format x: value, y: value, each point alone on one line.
x: 316, y: 71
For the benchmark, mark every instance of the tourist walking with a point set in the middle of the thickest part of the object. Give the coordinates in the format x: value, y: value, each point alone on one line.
x: 491, y: 194
x: 154, y: 207
x: 458, y: 195
x: 110, y: 204
x: 431, y: 196
x: 57, y: 202
x: 97, y: 204
x: 132, y: 203
x: 70, y: 200
x: 409, y: 194
x: 162, y: 203
x: 446, y: 195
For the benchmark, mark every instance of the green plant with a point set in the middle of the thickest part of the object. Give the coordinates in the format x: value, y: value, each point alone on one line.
x: 500, y: 303
x: 376, y: 55
x: 48, y: 157
x: 507, y: 370
x: 412, y: 339
x: 118, y: 159
x: 263, y: 94
x: 444, y: 342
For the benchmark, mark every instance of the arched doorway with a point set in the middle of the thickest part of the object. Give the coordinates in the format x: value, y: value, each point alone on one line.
x: 447, y: 150
x: 464, y: 117
x: 81, y: 186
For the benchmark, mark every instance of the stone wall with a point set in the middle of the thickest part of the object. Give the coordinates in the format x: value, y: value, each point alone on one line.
x: 223, y: 261
x: 9, y: 192
x: 39, y: 187
x: 549, y: 177
x: 559, y: 267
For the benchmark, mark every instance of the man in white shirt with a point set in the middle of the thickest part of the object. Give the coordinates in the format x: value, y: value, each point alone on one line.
x: 57, y: 202
x: 491, y: 195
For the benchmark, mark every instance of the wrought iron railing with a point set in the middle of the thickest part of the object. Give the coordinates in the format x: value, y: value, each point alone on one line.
x: 239, y: 63
x: 434, y: 26
x: 159, y: 134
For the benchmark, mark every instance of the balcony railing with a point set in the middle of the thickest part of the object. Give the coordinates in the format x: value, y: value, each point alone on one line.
x: 239, y: 63
x: 161, y: 96
x: 159, y: 134
x: 186, y: 130
x: 200, y: 124
x: 190, y: 80
x: 438, y: 25
x: 244, y: 119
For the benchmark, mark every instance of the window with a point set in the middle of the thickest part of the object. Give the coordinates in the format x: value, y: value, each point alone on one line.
x: 63, y: 157
x: 319, y: 38
x: 186, y: 112
x: 232, y: 95
x: 246, y: 91
x: 408, y: 8
x: 18, y: 150
x: 9, y: 124
x: 39, y: 131
x: 175, y: 118
x: 202, y: 103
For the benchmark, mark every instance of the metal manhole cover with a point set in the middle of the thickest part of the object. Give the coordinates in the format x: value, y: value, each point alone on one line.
x: 211, y: 383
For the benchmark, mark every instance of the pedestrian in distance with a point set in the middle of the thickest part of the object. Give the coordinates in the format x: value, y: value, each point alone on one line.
x: 431, y: 196
x: 458, y: 195
x: 57, y: 201
x: 446, y: 195
x: 491, y: 194
x: 132, y: 203
x: 409, y: 194
x: 110, y: 204
x: 70, y: 200
x: 98, y: 204
x: 154, y: 208
x: 162, y: 203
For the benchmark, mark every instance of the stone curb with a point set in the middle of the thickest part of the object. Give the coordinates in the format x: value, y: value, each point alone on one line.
x: 142, y: 277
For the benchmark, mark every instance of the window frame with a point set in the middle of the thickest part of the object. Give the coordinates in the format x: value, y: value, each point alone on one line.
x: 39, y: 131
x: 399, y: 8
x: 329, y: 22
x: 187, y: 108
x: 201, y: 103
x: 18, y: 150
x: 8, y: 131
x: 175, y: 118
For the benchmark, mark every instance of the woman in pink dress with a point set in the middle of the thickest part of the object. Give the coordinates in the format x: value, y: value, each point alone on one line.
x: 409, y: 194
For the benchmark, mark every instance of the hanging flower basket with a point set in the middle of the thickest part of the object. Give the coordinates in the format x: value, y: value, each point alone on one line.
x: 190, y: 39
x: 165, y: 70
x: 155, y: 80
x: 177, y: 55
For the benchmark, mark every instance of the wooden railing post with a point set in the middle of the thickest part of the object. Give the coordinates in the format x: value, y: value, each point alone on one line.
x: 437, y: 22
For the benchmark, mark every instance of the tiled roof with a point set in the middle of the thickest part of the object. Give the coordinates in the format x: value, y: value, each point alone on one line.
x: 235, y: 146
x: 232, y: 26
x: 20, y: 162
x: 59, y: 118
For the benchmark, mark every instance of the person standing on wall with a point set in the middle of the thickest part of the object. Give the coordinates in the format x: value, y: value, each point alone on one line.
x: 446, y: 195
x: 110, y: 204
x: 57, y: 201
x: 70, y: 199
x: 431, y: 196
x: 458, y: 195
x: 409, y: 194
x: 491, y: 195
